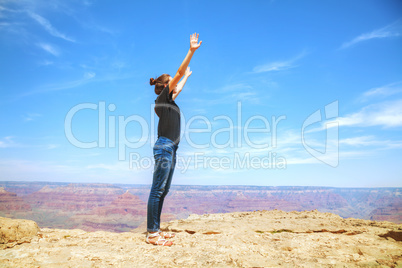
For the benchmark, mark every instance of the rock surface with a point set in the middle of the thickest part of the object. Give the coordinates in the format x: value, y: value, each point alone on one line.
x: 242, y: 239
x: 14, y: 232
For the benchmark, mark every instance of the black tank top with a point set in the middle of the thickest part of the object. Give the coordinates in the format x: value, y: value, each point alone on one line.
x: 169, y: 116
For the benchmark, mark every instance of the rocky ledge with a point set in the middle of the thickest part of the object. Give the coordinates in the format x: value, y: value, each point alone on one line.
x: 243, y: 239
x: 15, y: 232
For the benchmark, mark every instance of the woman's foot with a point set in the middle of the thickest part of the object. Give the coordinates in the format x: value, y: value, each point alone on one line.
x: 167, y: 235
x: 158, y: 240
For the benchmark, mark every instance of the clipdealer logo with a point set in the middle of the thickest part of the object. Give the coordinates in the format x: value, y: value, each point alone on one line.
x: 112, y: 133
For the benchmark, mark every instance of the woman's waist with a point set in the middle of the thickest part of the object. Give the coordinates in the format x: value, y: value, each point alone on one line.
x: 163, y: 141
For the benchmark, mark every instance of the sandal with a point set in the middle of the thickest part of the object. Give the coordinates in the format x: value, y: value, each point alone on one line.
x: 160, y: 242
x: 167, y: 235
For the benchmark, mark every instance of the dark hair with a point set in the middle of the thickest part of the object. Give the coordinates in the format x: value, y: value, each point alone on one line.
x: 159, y: 83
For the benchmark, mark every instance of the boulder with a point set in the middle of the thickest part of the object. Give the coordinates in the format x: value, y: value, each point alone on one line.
x: 16, y: 231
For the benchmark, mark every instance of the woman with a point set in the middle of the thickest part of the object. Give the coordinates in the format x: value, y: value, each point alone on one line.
x: 165, y: 148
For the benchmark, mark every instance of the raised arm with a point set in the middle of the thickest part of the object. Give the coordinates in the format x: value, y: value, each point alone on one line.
x: 181, y: 84
x: 194, y: 45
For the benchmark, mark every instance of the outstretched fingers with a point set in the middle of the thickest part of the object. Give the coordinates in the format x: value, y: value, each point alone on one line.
x: 194, y: 36
x: 194, y: 41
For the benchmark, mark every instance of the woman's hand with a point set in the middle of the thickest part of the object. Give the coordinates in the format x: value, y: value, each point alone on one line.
x: 180, y: 85
x: 194, y: 45
x: 187, y: 73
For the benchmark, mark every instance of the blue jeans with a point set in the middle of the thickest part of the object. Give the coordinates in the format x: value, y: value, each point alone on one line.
x: 165, y: 162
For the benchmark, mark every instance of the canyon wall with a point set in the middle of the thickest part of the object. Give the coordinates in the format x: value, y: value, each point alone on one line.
x: 122, y: 207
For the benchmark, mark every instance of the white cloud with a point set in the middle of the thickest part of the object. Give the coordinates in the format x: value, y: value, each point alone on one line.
x: 31, y: 116
x: 231, y: 88
x: 7, y: 142
x: 359, y: 141
x: 26, y: 169
x: 4, y: 11
x: 88, y: 76
x: 392, y: 30
x: 87, y: 3
x: 48, y: 27
x: 52, y: 146
x: 238, y: 92
x: 49, y: 48
x: 278, y: 65
x: 45, y: 63
x: 118, y: 166
x: 384, y: 91
x: 119, y: 65
x: 370, y: 141
x: 385, y: 114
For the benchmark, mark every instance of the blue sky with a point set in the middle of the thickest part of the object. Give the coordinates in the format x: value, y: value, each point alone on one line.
x: 317, y: 85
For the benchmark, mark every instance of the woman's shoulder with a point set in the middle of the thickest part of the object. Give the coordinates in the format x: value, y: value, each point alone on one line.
x: 164, y: 96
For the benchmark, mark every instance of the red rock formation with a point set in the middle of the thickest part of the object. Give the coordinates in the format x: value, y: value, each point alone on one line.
x: 107, y: 207
x: 307, y: 199
x: 10, y: 202
x: 192, y: 201
x: 126, y: 212
x: 391, y: 210
x: 246, y: 201
x: 126, y: 203
x: 74, y: 197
